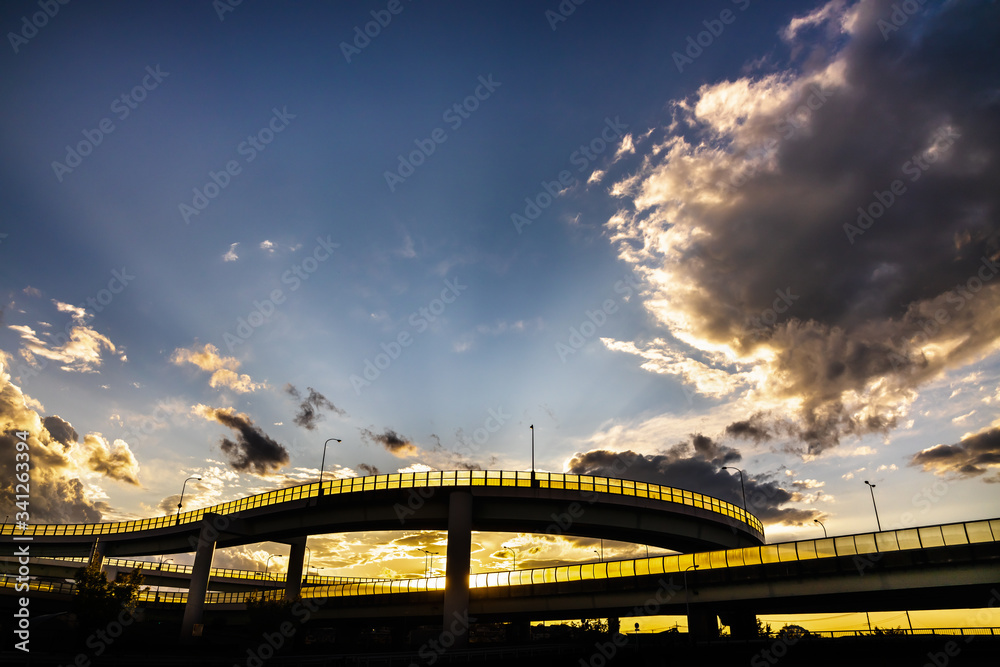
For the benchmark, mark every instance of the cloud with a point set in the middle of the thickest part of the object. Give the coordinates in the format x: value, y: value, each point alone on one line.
x: 698, y: 465
x: 79, y: 348
x: 61, y: 430
x: 975, y: 455
x: 253, y: 450
x: 223, y: 369
x: 742, y: 219
x: 59, y: 463
x: 112, y: 460
x: 309, y: 410
x: 368, y: 469
x: 394, y: 443
x: 231, y: 255
x: 267, y: 246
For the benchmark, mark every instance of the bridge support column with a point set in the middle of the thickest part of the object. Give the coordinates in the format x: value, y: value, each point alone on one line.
x: 742, y: 624
x: 194, y: 610
x: 702, y: 624
x: 456, y: 589
x: 293, y: 582
x: 97, y: 554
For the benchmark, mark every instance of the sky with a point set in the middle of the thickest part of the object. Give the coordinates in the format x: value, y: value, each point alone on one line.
x: 731, y: 233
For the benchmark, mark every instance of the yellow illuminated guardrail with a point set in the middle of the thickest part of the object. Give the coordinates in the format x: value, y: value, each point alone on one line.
x: 971, y: 532
x: 435, y: 478
x: 217, y: 572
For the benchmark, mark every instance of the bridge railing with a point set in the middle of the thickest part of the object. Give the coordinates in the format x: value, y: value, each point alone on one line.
x: 970, y: 532
x: 431, y: 478
x: 215, y: 572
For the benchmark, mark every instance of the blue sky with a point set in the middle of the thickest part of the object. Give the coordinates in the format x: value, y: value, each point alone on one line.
x: 597, y: 225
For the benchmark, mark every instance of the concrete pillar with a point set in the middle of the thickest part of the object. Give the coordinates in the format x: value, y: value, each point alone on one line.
x: 742, y: 624
x: 194, y: 610
x: 456, y: 589
x: 293, y: 581
x: 703, y: 624
x: 97, y: 553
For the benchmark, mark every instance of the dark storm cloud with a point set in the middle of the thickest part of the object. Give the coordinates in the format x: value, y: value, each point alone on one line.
x: 756, y: 208
x: 310, y: 408
x: 393, y: 442
x: 368, y: 469
x: 61, y: 430
x: 252, y: 450
x: 698, y: 466
x: 973, y: 456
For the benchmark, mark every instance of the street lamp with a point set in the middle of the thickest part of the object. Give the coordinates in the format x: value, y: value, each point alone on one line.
x: 687, y: 597
x: 160, y: 567
x: 322, y: 463
x: 267, y: 565
x: 431, y: 554
x: 871, y: 487
x: 532, y: 455
x: 742, y: 488
x: 824, y: 527
x: 599, y: 556
x: 180, y: 502
x: 513, y: 551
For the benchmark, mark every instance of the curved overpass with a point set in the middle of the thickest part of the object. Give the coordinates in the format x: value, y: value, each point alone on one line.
x: 505, y: 501
x: 459, y: 501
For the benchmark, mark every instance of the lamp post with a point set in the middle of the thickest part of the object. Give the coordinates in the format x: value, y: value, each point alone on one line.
x: 322, y: 463
x: 687, y: 597
x: 824, y: 527
x: 180, y: 502
x: 431, y: 554
x: 871, y: 487
x: 742, y: 488
x: 513, y: 551
x: 532, y: 455
x: 267, y: 565
x: 158, y: 568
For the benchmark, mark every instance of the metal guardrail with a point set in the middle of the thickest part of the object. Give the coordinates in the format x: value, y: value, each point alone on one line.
x: 217, y: 572
x: 969, y: 532
x: 437, y: 478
